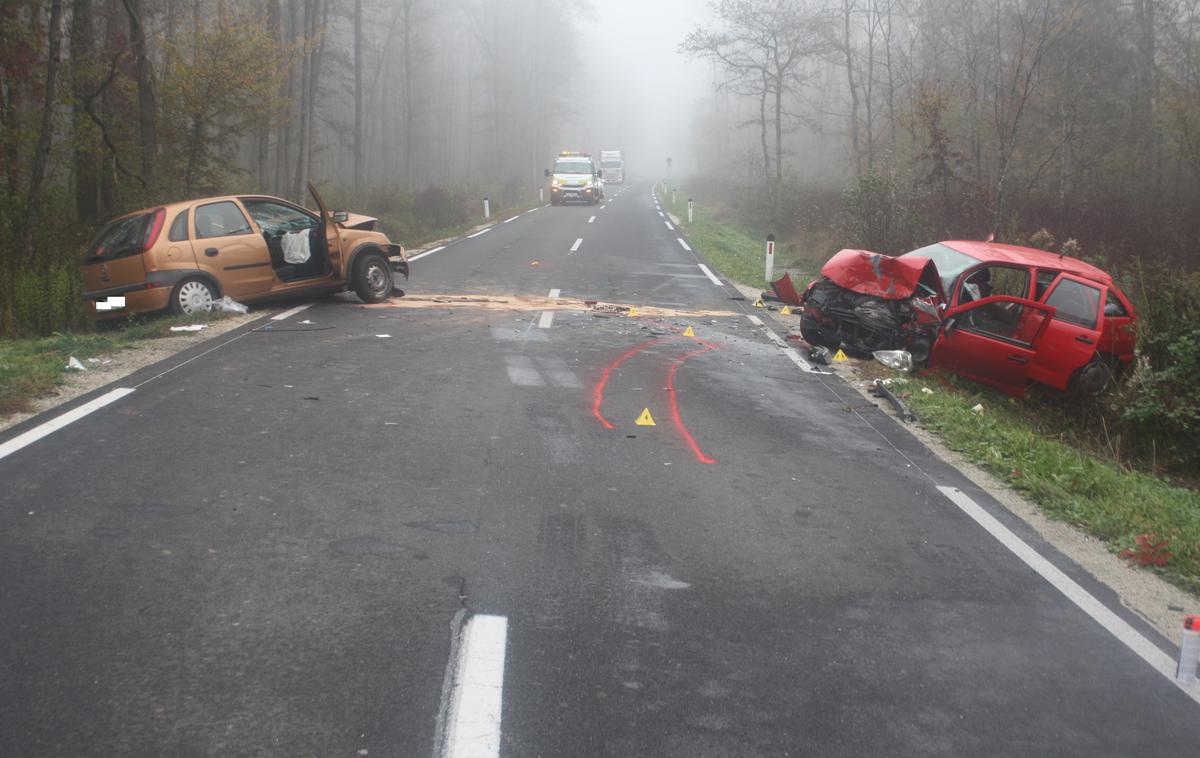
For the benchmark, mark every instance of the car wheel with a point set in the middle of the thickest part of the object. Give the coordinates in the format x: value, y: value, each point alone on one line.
x: 192, y: 296
x: 1092, y: 379
x: 372, y: 278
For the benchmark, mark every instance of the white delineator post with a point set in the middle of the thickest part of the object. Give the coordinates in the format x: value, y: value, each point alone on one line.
x: 770, y: 256
x: 487, y: 209
x: 1189, y: 651
x: 690, y: 206
x: 541, y: 195
x: 673, y: 197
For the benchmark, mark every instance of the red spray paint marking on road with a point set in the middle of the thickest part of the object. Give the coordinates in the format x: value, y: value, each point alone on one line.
x: 598, y: 390
x: 675, y: 415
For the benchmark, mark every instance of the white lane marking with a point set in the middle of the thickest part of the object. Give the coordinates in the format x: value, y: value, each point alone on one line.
x: 431, y: 251
x: 555, y: 293
x: 288, y: 314
x: 522, y: 372
x: 575, y: 247
x: 473, y: 725
x: 668, y: 223
x: 708, y: 272
x: 514, y: 218
x: 58, y: 422
x: 590, y: 220
x: 546, y: 320
x: 785, y: 348
x: 479, y: 234
x: 531, y: 210
x: 1118, y: 627
x: 685, y: 245
x: 662, y: 214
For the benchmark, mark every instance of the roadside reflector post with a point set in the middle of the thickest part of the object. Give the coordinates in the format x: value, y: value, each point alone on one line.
x: 487, y: 209
x: 541, y: 195
x: 673, y: 197
x: 691, y: 206
x: 1189, y: 651
x: 770, y: 257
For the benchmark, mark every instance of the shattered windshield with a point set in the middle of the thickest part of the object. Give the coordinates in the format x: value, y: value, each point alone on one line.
x: 950, y: 263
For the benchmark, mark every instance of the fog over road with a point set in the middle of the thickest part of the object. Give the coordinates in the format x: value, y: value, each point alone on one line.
x: 435, y: 525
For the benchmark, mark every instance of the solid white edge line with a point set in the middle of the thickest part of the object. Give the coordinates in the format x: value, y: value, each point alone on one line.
x: 685, y: 245
x: 711, y: 276
x: 546, y: 320
x: 1116, y: 626
x: 575, y: 247
x: 514, y: 218
x: 58, y: 422
x: 755, y: 319
x: 555, y: 293
x: 785, y: 348
x: 476, y: 701
x: 288, y: 314
x: 431, y: 251
x: 479, y: 233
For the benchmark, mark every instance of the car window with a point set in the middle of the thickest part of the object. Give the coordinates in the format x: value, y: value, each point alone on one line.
x: 1075, y: 302
x: 221, y: 219
x: 1044, y: 280
x: 276, y: 218
x: 994, y: 280
x: 178, y: 231
x: 1113, y: 306
x: 1013, y: 322
x: 121, y: 238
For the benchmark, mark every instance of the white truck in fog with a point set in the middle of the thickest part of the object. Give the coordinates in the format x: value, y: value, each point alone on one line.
x: 612, y: 166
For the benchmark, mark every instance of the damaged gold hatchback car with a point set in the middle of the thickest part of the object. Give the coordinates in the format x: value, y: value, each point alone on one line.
x: 185, y: 257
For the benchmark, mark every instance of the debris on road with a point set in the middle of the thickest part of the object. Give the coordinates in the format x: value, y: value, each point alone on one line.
x: 820, y: 354
x: 978, y: 408
x: 189, y: 328
x: 882, y: 389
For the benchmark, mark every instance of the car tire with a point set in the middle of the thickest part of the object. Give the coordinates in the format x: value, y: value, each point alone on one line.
x: 192, y: 296
x: 1092, y: 379
x: 372, y: 278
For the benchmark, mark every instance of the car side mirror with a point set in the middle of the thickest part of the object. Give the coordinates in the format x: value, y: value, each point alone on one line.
x: 547, y: 172
x: 341, y: 216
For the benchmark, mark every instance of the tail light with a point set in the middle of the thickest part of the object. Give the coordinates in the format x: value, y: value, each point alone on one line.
x: 154, y: 228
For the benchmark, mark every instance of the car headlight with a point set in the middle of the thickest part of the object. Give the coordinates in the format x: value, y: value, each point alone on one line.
x: 554, y: 183
x: 589, y: 183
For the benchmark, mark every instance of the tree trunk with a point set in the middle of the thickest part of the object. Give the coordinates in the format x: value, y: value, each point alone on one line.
x: 147, y: 101
x: 41, y: 155
x: 86, y: 154
x: 1143, y: 93
x: 359, y: 123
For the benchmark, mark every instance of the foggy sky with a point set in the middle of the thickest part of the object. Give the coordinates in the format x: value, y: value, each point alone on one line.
x: 642, y: 93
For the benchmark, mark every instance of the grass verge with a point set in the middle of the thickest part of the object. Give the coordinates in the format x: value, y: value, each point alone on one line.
x: 30, y: 368
x: 1142, y: 517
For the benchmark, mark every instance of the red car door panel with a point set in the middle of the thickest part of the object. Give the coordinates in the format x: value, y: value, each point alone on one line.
x: 993, y: 341
x: 1074, y: 334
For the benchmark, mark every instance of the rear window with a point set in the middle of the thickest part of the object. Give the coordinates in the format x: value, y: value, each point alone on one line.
x: 950, y: 263
x: 1075, y: 302
x: 121, y: 238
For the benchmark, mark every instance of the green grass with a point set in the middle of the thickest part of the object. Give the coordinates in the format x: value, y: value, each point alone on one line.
x: 1098, y: 496
x: 29, y: 368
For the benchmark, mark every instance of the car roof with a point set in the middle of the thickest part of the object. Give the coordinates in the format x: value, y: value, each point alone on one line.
x: 995, y: 252
x: 181, y: 204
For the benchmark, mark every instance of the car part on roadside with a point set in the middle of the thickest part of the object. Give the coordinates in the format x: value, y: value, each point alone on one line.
x: 901, y: 360
x: 820, y: 354
x: 881, y: 389
x: 229, y: 305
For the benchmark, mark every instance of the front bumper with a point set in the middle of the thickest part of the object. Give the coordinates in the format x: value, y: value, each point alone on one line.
x: 576, y: 194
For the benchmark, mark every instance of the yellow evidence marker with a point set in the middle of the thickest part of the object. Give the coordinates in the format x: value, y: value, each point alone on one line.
x: 759, y: 303
x: 785, y: 310
x: 645, y: 419
x: 633, y: 313
x: 689, y: 332
x: 840, y: 356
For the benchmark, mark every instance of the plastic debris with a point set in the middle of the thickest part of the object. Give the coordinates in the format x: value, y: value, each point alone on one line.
x: 229, y: 305
x: 881, y: 389
x: 978, y: 408
x: 189, y: 328
x: 820, y: 354
x: 307, y: 321
x: 926, y: 391
x: 73, y: 364
x: 901, y: 360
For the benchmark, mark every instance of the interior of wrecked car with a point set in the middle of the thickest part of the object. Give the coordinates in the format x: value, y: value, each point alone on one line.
x: 295, y: 239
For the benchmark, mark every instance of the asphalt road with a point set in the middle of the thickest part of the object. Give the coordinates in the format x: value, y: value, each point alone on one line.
x: 308, y: 539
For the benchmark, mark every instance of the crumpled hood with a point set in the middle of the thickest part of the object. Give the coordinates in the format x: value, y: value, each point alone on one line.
x: 359, y: 221
x: 878, y: 275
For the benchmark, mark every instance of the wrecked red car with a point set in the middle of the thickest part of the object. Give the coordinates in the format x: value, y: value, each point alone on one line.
x: 998, y: 314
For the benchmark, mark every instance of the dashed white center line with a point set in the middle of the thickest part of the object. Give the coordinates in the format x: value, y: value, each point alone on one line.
x: 686, y: 247
x: 578, y: 242
x: 662, y: 214
x: 514, y: 218
x: 708, y: 272
x: 476, y: 699
x: 58, y: 422
x: 547, y: 317
x: 431, y: 251
x: 590, y: 220
x: 288, y: 314
x: 479, y: 234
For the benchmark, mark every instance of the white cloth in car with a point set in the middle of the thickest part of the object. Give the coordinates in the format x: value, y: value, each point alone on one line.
x: 295, y: 247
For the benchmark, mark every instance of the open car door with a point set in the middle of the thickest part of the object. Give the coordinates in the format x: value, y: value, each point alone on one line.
x: 993, y: 341
x: 333, y: 241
